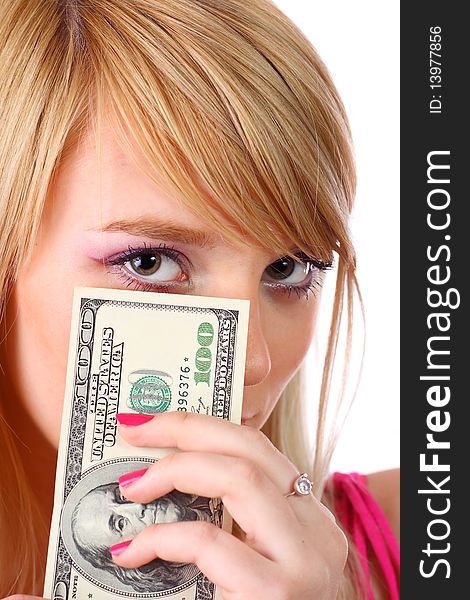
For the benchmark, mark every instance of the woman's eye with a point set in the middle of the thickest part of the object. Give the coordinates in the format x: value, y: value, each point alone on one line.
x: 287, y: 275
x: 288, y: 271
x: 165, y: 269
x: 154, y: 267
x: 149, y: 268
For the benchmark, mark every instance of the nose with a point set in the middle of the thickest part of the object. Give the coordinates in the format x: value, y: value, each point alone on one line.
x: 258, y: 357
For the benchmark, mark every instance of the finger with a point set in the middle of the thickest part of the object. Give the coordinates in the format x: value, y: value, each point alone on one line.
x: 248, y: 494
x: 327, y: 512
x: 226, y: 561
x: 205, y: 433
x: 310, y: 511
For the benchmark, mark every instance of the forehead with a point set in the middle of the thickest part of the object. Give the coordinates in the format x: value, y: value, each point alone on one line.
x: 110, y: 178
x: 110, y: 185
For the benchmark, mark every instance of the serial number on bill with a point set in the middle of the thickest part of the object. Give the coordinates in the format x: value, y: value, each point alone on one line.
x: 435, y: 69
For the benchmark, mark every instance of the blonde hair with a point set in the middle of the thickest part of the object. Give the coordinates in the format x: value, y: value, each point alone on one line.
x: 225, y: 98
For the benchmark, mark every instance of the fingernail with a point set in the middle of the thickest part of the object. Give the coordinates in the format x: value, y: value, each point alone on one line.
x: 133, y: 419
x: 129, y: 478
x: 119, y: 548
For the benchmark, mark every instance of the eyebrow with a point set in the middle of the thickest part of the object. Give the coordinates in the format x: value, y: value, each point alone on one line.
x: 154, y: 228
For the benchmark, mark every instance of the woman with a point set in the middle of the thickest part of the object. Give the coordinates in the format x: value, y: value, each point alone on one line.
x: 183, y: 146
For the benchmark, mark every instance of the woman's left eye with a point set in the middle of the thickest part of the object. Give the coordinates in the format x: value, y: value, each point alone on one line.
x: 290, y: 276
x: 288, y: 271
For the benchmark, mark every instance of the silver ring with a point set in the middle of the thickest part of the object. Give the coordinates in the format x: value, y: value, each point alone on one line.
x: 302, y: 486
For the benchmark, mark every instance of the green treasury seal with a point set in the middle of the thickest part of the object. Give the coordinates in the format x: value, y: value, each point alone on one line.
x: 150, y: 395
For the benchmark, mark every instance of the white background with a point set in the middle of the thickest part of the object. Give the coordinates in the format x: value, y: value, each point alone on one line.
x: 359, y: 43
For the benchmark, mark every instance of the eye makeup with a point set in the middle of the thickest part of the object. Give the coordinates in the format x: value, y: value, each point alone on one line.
x: 148, y: 256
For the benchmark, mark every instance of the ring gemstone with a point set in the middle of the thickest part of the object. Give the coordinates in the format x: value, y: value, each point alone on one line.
x: 303, y: 485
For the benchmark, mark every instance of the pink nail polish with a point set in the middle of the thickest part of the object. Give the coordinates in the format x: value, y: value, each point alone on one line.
x: 133, y: 419
x: 129, y: 478
x: 118, y: 549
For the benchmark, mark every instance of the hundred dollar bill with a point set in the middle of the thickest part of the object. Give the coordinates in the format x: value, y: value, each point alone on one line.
x: 140, y: 352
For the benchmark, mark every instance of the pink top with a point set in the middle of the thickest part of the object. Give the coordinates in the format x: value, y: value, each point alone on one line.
x: 360, y: 515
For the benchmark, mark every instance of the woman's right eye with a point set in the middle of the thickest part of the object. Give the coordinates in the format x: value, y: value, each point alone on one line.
x: 148, y: 268
x: 154, y: 267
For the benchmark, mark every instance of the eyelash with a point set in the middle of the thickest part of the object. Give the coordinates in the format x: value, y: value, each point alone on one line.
x: 115, y: 263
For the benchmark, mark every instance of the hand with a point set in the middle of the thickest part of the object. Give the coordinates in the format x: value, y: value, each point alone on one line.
x: 291, y: 548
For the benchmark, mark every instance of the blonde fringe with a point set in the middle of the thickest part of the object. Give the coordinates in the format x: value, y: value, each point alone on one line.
x: 223, y: 98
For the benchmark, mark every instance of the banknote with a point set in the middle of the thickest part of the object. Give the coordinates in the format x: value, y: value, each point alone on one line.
x: 148, y: 353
